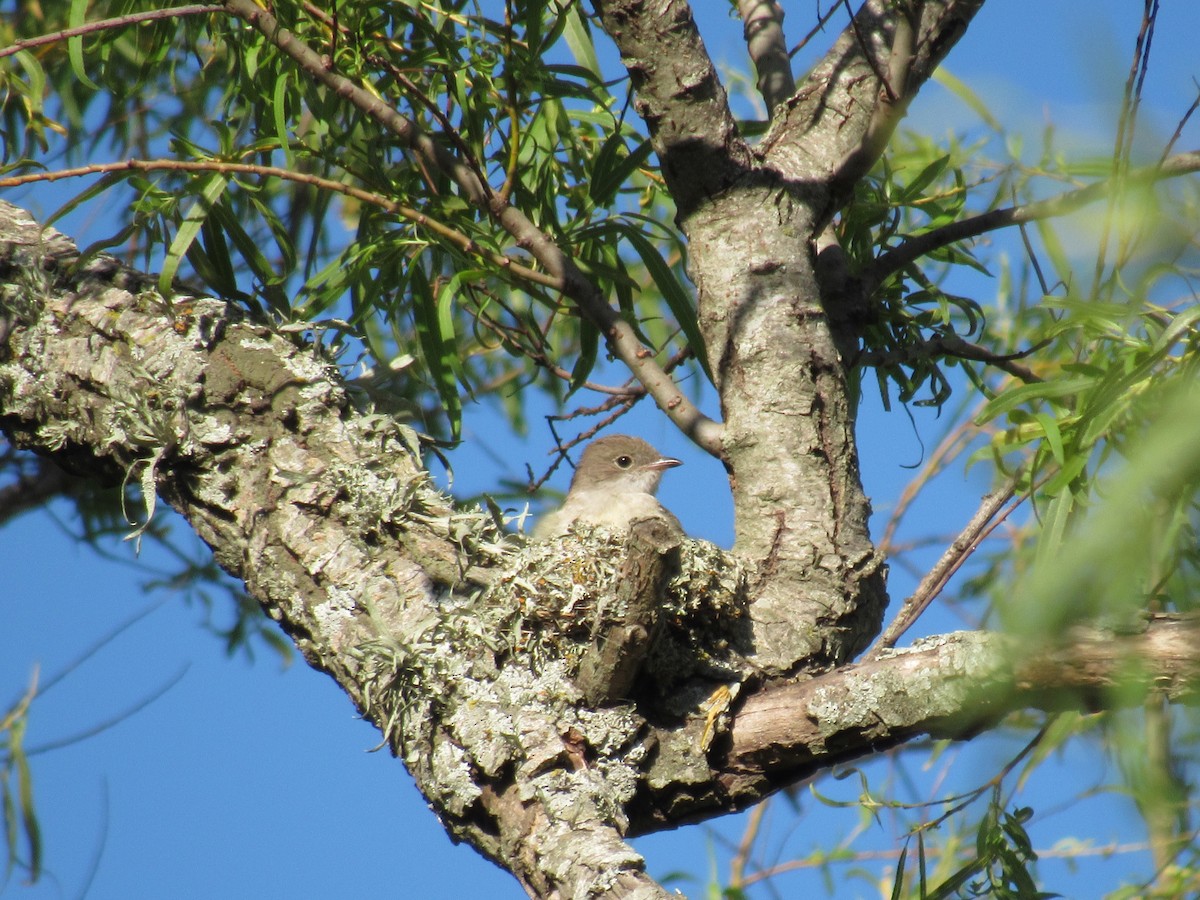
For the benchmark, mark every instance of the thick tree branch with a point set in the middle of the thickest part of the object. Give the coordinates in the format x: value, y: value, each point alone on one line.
x: 801, y: 513
x: 620, y: 336
x: 954, y: 685
x: 329, y: 518
x: 679, y: 96
x: 949, y: 686
x: 841, y: 118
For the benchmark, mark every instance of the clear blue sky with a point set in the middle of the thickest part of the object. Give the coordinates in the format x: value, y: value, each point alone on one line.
x: 250, y: 780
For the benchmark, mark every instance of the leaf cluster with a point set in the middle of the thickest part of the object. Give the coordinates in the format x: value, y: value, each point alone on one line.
x: 411, y: 275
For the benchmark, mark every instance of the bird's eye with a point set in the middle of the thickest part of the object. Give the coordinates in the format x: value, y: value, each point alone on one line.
x: 624, y: 462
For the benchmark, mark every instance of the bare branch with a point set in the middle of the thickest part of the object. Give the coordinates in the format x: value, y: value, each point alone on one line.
x: 951, y: 345
x: 956, y: 554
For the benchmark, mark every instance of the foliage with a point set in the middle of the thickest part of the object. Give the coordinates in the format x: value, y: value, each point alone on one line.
x: 23, y: 840
x: 430, y: 283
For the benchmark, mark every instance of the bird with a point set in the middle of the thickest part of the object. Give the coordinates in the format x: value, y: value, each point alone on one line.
x: 613, y: 486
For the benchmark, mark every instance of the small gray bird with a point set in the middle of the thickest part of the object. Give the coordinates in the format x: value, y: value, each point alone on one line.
x: 613, y: 486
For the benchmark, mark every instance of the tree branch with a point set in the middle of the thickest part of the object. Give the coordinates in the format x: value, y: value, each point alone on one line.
x: 679, y: 96
x: 951, y: 687
x: 329, y: 518
x: 951, y: 561
x: 171, y: 12
x: 762, y: 24
x: 948, y: 686
x: 841, y: 118
x: 620, y: 336
x: 914, y: 248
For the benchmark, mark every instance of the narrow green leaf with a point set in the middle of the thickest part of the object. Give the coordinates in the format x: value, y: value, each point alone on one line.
x: 960, y: 90
x: 212, y: 252
x: 898, y: 881
x: 610, y: 173
x: 249, y: 248
x: 436, y: 347
x: 1052, y: 434
x: 1054, y: 527
x: 1047, y: 390
x: 447, y: 296
x: 912, y: 190
x: 193, y: 219
x: 1054, y: 249
x: 83, y: 196
x: 678, y: 300
x: 579, y: 40
x: 75, y: 18
x: 589, y: 346
x: 11, y: 826
x: 279, y: 101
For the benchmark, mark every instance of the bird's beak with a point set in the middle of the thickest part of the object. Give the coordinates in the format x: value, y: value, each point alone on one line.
x: 663, y: 462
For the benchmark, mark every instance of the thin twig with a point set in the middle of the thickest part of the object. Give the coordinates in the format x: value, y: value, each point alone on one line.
x: 954, y: 442
x: 822, y: 21
x: 460, y: 240
x: 1126, y: 125
x: 105, y: 24
x: 737, y: 865
x: 954, y: 557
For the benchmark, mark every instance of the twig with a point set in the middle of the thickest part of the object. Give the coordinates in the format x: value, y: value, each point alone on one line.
x: 956, y: 554
x: 1126, y: 125
x: 460, y: 240
x: 954, y: 442
x: 959, y: 348
x: 914, y: 248
x: 822, y: 21
x: 737, y: 865
x: 620, y: 336
x: 105, y: 24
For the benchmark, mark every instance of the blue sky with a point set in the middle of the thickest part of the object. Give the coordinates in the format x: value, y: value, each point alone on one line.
x: 253, y: 780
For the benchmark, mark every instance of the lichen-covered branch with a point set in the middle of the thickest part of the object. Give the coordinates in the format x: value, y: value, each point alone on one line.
x: 326, y: 514
x: 485, y: 664
x: 950, y: 686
